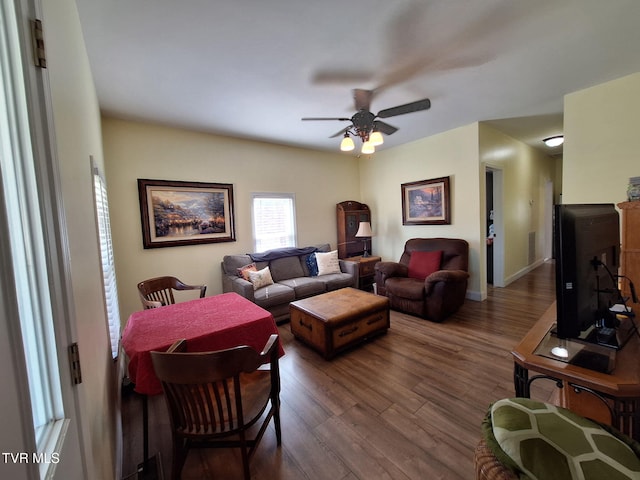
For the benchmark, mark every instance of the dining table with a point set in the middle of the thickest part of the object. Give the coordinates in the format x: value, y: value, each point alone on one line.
x: 208, y: 324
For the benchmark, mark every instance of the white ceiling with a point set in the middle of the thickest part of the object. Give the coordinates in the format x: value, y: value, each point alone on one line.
x: 253, y: 68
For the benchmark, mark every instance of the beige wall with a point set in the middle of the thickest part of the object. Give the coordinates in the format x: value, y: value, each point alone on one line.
x: 602, y: 146
x: 453, y: 154
x: 463, y: 154
x: 319, y: 181
x: 78, y: 136
x: 526, y: 174
x: 138, y: 150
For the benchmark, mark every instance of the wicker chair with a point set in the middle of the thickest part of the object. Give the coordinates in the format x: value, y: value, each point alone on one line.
x: 488, y: 467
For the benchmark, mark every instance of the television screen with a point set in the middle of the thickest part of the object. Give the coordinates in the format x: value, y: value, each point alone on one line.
x: 587, y: 250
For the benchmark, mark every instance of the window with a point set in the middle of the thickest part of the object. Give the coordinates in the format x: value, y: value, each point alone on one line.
x: 108, y: 265
x: 28, y: 243
x: 274, y: 221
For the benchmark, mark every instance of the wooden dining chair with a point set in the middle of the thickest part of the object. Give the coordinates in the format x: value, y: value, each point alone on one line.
x: 158, y: 291
x: 213, y: 398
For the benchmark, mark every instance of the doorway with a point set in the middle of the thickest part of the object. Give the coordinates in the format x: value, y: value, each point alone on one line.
x: 494, y: 227
x: 490, y: 227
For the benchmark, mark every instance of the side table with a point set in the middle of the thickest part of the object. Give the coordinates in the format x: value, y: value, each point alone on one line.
x: 366, y: 271
x: 612, y: 398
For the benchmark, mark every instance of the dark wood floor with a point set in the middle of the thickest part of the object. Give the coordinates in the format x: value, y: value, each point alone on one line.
x: 407, y: 405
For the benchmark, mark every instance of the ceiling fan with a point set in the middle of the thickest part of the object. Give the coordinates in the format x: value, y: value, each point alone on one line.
x: 365, y: 125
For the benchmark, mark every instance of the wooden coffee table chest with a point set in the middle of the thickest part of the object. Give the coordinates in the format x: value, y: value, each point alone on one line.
x: 337, y: 320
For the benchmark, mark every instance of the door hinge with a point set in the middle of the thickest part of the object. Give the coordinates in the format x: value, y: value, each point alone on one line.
x: 74, y: 362
x: 37, y: 37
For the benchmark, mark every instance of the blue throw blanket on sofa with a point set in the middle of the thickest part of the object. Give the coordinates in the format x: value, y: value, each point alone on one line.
x: 280, y: 253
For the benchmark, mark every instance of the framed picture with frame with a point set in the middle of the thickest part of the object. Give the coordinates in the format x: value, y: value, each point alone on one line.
x: 426, y: 202
x: 175, y: 213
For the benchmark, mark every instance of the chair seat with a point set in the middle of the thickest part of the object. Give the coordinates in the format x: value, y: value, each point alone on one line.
x: 405, y: 287
x: 543, y: 441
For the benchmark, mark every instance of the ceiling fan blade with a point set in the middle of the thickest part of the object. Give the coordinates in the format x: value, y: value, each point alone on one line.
x: 424, y: 104
x: 352, y: 77
x: 326, y: 118
x: 362, y: 98
x: 341, y: 132
x: 384, y: 127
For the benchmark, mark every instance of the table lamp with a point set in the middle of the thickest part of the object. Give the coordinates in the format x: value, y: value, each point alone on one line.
x: 364, y: 231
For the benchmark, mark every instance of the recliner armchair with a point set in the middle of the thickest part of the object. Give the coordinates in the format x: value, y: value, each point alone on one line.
x: 429, y: 281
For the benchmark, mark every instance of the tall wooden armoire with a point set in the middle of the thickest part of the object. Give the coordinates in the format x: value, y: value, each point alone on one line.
x: 349, y: 215
x: 630, y: 248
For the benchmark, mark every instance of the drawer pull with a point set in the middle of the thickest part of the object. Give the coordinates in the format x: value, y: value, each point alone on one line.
x: 306, y: 325
x: 371, y: 321
x: 344, y: 333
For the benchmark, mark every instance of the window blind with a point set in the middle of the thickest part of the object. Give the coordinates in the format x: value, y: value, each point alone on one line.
x: 274, y: 223
x: 108, y: 264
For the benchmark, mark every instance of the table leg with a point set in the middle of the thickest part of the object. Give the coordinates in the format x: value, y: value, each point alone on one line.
x: 521, y: 381
x: 149, y: 468
x: 627, y: 417
x: 145, y: 427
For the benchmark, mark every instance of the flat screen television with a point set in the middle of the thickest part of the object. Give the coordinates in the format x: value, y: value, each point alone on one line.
x: 587, y: 250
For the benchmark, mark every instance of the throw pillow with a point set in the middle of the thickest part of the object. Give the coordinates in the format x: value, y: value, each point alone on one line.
x: 261, y: 278
x: 328, y: 262
x: 572, y: 446
x: 423, y: 264
x: 244, y: 271
x: 312, y: 265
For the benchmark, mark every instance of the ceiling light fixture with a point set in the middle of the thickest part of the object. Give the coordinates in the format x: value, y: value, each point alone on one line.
x: 367, y: 131
x: 554, y: 141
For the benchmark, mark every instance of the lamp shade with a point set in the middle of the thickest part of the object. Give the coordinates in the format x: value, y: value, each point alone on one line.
x: 364, y: 230
x: 347, y: 144
x: 376, y: 138
x: 368, y: 148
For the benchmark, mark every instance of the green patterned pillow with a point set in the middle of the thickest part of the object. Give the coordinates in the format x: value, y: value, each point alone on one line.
x: 545, y: 442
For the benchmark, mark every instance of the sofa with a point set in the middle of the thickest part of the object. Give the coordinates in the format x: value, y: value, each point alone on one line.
x: 275, y: 278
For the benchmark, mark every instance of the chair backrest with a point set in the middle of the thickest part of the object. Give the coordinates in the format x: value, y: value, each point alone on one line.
x: 455, y: 251
x: 203, y: 389
x: 158, y: 291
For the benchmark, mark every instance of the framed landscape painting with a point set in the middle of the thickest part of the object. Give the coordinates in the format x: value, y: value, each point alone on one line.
x: 177, y: 213
x: 426, y: 202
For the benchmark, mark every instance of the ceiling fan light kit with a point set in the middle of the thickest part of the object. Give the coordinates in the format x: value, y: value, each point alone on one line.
x: 365, y: 125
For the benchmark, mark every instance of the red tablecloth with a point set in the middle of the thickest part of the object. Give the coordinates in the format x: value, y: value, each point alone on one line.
x: 208, y: 324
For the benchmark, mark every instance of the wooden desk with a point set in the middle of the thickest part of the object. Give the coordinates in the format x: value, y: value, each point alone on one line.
x: 612, y: 398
